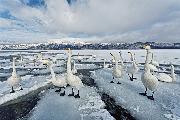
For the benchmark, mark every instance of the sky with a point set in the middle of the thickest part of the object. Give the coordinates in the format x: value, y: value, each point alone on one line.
x: 92, y: 20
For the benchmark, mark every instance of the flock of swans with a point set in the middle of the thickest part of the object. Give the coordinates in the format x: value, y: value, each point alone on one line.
x: 149, y: 77
x: 69, y: 79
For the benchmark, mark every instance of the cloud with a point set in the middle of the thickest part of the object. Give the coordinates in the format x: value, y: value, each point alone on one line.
x: 4, y: 22
x: 104, y: 16
x: 113, y: 20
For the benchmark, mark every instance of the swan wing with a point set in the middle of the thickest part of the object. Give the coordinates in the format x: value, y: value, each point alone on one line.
x: 13, y: 80
x: 149, y: 81
x: 164, y: 77
x: 152, y: 67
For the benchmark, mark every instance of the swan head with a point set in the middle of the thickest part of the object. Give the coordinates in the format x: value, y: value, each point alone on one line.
x: 146, y: 47
x: 120, y: 53
x: 69, y: 50
x: 172, y: 66
x: 113, y: 56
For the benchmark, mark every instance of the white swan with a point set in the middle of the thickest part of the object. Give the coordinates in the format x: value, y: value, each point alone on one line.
x: 15, y: 79
x: 153, y: 62
x: 133, y: 68
x: 167, y: 78
x: 104, y: 64
x: 73, y: 80
x: 43, y: 61
x: 148, y: 79
x: 152, y: 67
x: 79, y: 58
x: 58, y: 81
x: 117, y: 70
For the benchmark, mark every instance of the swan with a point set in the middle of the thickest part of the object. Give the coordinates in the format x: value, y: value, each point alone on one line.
x: 167, y: 78
x: 74, y: 70
x: 117, y: 70
x: 148, y: 79
x: 57, y: 81
x: 104, y: 64
x: 79, y: 58
x: 15, y: 79
x: 153, y: 62
x: 73, y: 80
x: 43, y: 61
x: 133, y: 68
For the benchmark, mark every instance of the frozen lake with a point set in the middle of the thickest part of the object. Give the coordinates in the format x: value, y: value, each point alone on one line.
x: 39, y: 91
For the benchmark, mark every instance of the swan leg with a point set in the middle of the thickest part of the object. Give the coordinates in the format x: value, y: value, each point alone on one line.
x: 118, y: 82
x: 59, y: 90
x: 145, y: 93
x: 151, y: 97
x: 21, y: 88
x: 12, y: 90
x: 112, y: 80
x: 129, y: 76
x: 77, y: 95
x: 133, y: 77
x: 72, y: 94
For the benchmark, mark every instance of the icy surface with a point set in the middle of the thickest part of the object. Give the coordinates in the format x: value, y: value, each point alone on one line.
x: 89, y: 106
x: 28, y: 83
x: 165, y: 106
x: 54, y: 107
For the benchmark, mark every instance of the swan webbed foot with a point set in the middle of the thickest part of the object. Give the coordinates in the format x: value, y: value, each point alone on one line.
x: 112, y: 82
x: 63, y: 93
x: 143, y: 94
x: 12, y: 91
x: 72, y: 94
x: 21, y: 88
x: 150, y: 97
x: 77, y: 95
x: 118, y: 83
x: 67, y: 85
x: 59, y: 90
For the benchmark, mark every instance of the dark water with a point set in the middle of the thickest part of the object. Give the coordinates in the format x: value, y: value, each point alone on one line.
x: 21, y: 107
x: 118, y: 112
x: 18, y: 110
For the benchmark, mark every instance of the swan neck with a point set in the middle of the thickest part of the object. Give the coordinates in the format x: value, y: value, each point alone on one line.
x: 74, y: 66
x: 104, y: 63
x: 147, y: 61
x: 14, y: 69
x: 69, y: 63
x: 172, y: 73
x: 146, y: 68
x: 52, y: 72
